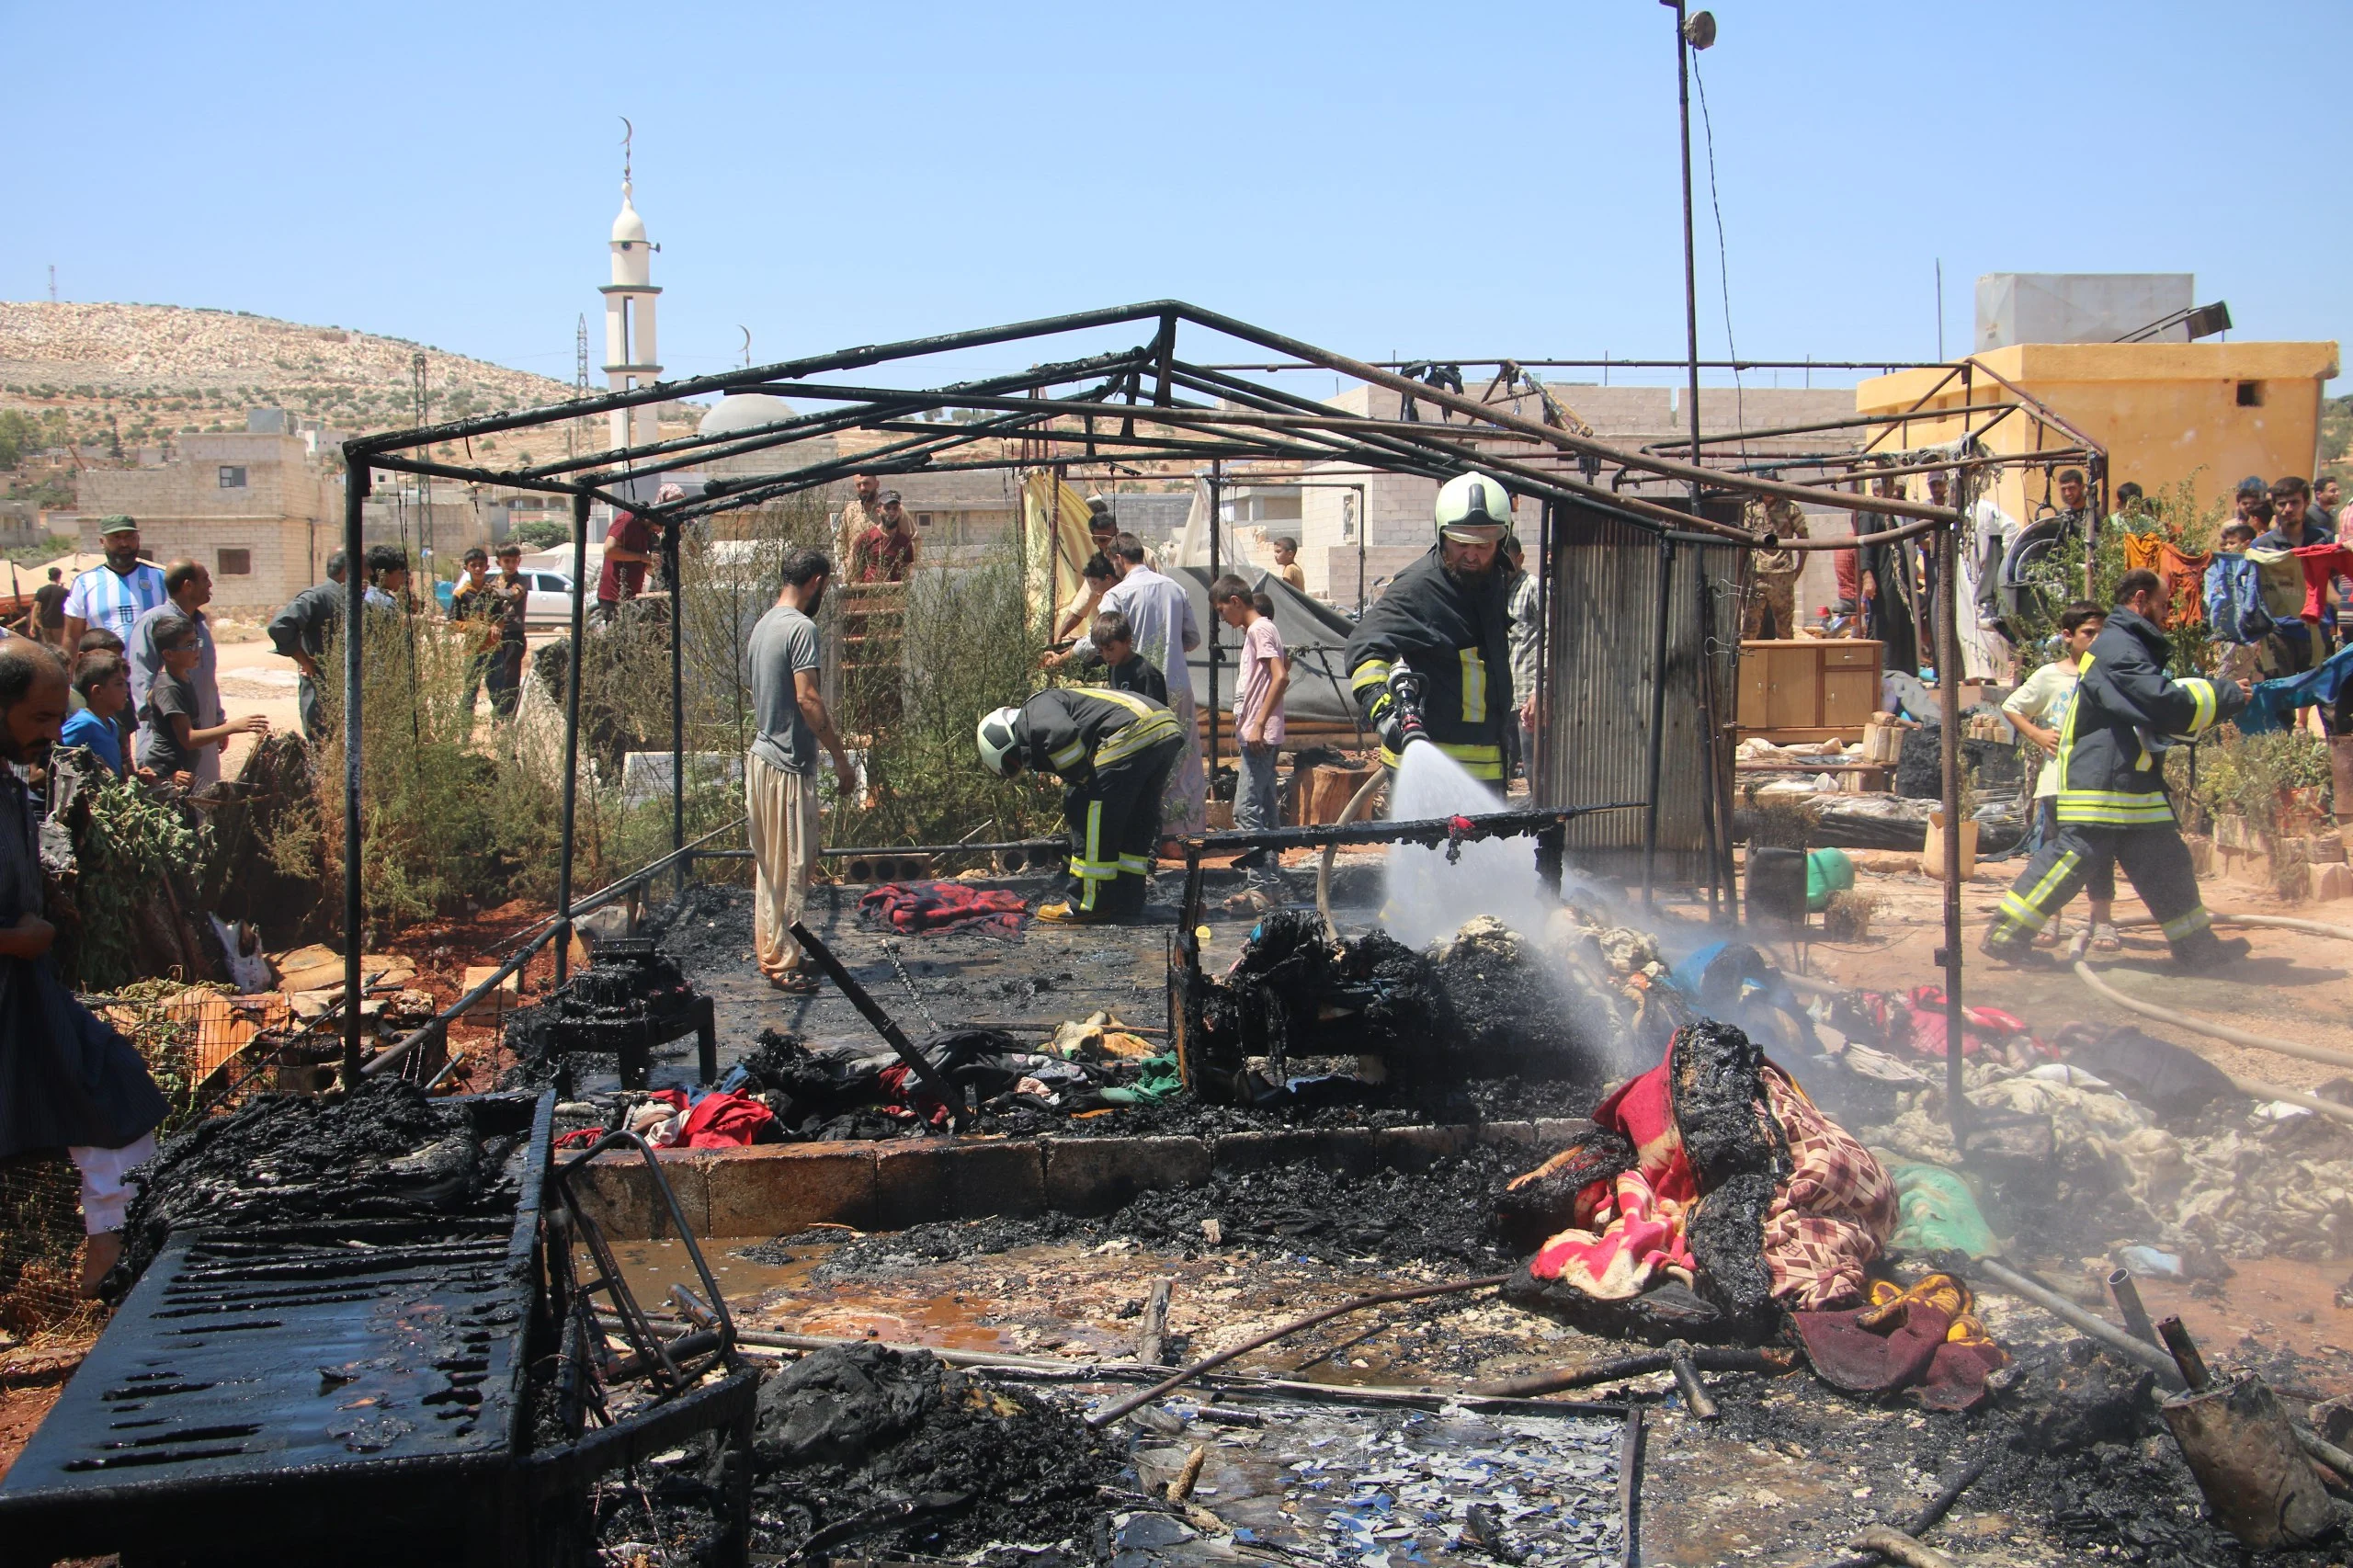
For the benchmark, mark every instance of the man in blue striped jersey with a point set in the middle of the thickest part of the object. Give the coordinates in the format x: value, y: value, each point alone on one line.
x: 113, y: 596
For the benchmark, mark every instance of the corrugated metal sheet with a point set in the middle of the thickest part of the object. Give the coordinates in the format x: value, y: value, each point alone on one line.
x: 1599, y: 645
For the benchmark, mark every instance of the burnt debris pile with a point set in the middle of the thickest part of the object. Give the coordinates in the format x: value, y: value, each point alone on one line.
x: 1488, y: 1003
x: 384, y: 1151
x: 883, y: 1450
x: 630, y: 999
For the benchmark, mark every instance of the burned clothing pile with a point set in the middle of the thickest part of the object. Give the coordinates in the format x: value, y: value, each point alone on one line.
x: 868, y: 1093
x: 1486, y: 1003
x: 384, y: 1151
x: 1923, y: 1338
x: 945, y: 906
x: 893, y: 1450
x: 1711, y: 1196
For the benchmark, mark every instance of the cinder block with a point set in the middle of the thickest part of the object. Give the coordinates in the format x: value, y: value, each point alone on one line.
x: 2333, y: 882
x: 618, y: 1192
x: 1554, y: 1133
x: 1418, y: 1148
x: 1096, y: 1176
x: 774, y: 1189
x: 1347, y: 1152
x: 966, y: 1179
x: 1515, y: 1134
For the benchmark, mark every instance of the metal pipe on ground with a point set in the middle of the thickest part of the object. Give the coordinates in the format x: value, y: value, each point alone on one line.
x: 1117, y: 1408
x: 1927, y: 1518
x: 884, y: 1025
x: 2076, y: 1317
x: 1704, y: 1357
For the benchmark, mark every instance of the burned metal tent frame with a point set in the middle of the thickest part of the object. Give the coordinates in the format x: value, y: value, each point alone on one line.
x: 1132, y: 405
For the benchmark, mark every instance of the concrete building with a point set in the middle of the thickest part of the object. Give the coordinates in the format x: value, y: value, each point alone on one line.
x: 254, y: 506
x: 2207, y: 412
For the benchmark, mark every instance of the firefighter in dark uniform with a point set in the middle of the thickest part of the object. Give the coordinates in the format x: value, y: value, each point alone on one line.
x: 2125, y: 715
x: 1447, y: 620
x: 1113, y: 751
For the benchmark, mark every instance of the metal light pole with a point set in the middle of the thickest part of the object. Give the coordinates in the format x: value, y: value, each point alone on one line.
x: 1696, y: 31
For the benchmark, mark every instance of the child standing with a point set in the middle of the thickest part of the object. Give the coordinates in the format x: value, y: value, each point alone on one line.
x: 1259, y: 734
x: 103, y: 682
x: 169, y: 741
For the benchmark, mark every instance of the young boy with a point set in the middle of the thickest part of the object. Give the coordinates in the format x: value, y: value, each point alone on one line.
x: 1258, y: 690
x: 168, y: 739
x: 102, y: 680
x: 2235, y: 608
x: 2038, y: 709
x: 1124, y: 669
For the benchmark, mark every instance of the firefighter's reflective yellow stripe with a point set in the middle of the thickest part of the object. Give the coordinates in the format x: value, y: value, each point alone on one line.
x: 2114, y: 808
x: 1135, y: 865
x: 2201, y: 694
x: 1474, y: 686
x: 2026, y: 911
x: 1142, y: 707
x: 2188, y: 924
x: 1372, y: 672
x: 1068, y: 758
x: 1091, y: 868
x: 1479, y: 761
x: 1157, y: 726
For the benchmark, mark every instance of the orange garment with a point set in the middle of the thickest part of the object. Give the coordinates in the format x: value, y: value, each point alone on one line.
x: 2140, y: 551
x: 2182, y: 573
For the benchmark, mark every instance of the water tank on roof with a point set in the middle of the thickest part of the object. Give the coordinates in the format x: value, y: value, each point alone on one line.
x: 2078, y: 307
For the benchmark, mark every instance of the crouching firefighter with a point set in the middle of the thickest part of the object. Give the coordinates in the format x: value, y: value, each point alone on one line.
x: 2125, y: 715
x: 1440, y: 639
x: 1114, y: 751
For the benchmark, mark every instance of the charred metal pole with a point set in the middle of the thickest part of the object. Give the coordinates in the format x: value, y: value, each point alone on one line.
x: 1217, y: 472
x: 355, y: 608
x: 1690, y: 281
x: 884, y: 1025
x: 1948, y: 705
x: 677, y: 700
x: 572, y: 733
x: 1658, y: 717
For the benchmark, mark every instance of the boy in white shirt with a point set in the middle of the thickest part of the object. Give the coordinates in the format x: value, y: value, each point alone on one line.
x: 2038, y: 709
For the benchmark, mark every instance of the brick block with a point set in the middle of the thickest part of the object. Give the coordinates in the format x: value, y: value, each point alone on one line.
x: 619, y: 1194
x: 1241, y: 1153
x: 774, y: 1189
x: 937, y: 1179
x: 1554, y: 1133
x: 1514, y: 1134
x: 1418, y: 1148
x: 1096, y: 1176
x: 2333, y: 882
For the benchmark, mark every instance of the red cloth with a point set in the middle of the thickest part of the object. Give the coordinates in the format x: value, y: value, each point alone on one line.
x: 947, y: 906
x: 2321, y: 561
x: 1980, y: 1026
x: 1846, y: 566
x: 717, y: 1120
x: 624, y: 579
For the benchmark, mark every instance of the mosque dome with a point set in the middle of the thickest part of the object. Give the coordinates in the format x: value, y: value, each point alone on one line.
x: 742, y: 411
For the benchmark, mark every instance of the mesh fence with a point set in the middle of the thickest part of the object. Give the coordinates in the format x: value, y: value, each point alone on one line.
x: 40, y: 1239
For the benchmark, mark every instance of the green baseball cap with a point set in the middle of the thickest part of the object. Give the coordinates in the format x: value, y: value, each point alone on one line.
x: 118, y: 524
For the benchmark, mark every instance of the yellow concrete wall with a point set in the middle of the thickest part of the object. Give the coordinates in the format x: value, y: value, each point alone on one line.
x: 2166, y: 412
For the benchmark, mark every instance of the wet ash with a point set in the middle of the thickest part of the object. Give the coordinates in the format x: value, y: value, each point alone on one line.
x: 1443, y: 1215
x: 383, y: 1152
x: 893, y: 1450
x: 629, y: 986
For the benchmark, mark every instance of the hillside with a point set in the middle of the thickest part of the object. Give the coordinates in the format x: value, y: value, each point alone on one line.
x: 92, y: 372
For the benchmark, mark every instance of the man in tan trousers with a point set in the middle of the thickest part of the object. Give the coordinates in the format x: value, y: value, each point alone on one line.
x: 780, y: 774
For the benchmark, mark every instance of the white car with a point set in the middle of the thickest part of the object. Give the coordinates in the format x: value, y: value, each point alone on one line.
x: 550, y: 598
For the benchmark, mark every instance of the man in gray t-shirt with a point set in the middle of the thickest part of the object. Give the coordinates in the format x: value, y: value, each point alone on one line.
x: 779, y: 776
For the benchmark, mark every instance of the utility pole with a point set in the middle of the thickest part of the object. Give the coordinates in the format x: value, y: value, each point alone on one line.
x: 1696, y: 31
x: 579, y: 384
x: 421, y: 405
x: 52, y: 282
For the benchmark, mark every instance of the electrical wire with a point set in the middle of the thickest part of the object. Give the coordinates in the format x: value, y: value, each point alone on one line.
x: 1724, y: 266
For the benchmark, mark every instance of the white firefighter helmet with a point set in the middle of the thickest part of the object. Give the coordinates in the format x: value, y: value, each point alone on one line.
x: 1000, y: 752
x: 1474, y: 509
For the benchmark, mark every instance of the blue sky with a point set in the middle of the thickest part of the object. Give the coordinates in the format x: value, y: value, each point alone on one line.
x: 1441, y: 180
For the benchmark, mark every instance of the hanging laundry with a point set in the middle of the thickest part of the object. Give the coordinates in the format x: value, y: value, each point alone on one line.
x: 2182, y: 574
x: 2235, y: 606
x: 2273, y: 703
x: 2320, y: 562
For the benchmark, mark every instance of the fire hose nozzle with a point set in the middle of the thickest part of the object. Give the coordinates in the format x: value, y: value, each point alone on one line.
x: 1403, y: 725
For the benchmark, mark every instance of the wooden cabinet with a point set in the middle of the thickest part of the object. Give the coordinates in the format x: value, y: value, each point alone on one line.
x: 1807, y: 688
